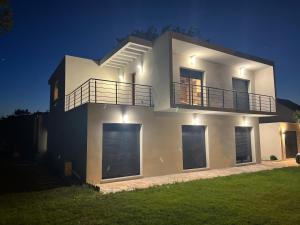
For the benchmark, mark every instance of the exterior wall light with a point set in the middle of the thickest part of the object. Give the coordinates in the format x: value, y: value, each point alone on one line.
x: 242, y: 71
x: 121, y: 78
x: 196, y: 120
x: 245, y: 121
x: 140, y: 68
x: 124, y: 118
x: 193, y: 60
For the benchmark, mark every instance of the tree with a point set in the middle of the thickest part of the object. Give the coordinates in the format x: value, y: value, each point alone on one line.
x: 20, y: 112
x: 297, y: 116
x: 6, y: 21
x: 151, y: 33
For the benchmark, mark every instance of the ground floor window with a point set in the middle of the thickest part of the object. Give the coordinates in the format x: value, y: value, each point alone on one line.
x: 193, y: 147
x: 243, y: 144
x: 120, y: 150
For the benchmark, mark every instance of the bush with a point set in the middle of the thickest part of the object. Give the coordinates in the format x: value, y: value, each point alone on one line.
x: 273, y: 157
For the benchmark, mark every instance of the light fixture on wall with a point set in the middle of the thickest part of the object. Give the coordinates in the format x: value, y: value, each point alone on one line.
x: 139, y: 68
x: 124, y: 115
x: 193, y: 59
x: 242, y: 70
x: 245, y: 121
x: 121, y: 78
x: 124, y: 118
x: 196, y: 119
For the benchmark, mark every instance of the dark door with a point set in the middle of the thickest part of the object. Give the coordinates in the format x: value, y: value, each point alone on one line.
x: 240, y: 94
x: 120, y: 150
x: 193, y: 147
x: 291, y: 147
x: 243, y: 144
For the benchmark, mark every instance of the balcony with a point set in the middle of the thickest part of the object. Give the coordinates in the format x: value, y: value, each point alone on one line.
x: 109, y: 92
x: 217, y: 99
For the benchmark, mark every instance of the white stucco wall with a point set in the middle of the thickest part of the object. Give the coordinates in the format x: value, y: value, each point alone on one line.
x: 270, y: 140
x: 264, y: 81
x: 78, y: 70
x: 161, y: 145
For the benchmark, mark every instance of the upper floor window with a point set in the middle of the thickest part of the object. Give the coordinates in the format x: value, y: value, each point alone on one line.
x: 55, y: 91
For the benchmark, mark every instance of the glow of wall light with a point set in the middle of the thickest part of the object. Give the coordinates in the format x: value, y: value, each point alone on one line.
x: 121, y: 78
x: 196, y: 119
x: 193, y: 60
x: 124, y: 117
x: 242, y: 71
x: 140, y: 68
x: 245, y: 121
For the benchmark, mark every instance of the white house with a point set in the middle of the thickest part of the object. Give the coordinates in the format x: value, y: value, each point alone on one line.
x: 153, y: 108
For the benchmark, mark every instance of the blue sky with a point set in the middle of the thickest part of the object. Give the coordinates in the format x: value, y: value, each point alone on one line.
x: 44, y: 31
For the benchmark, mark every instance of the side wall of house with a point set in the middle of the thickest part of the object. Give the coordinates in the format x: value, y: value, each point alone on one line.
x: 79, y: 70
x: 67, y: 135
x: 270, y: 140
x: 161, y: 145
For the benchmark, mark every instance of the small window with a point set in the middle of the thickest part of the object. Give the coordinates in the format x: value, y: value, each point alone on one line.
x: 55, y: 91
x: 243, y: 144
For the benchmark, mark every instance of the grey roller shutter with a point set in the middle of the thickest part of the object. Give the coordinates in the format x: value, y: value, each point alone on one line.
x: 120, y: 150
x: 193, y: 147
x: 243, y: 144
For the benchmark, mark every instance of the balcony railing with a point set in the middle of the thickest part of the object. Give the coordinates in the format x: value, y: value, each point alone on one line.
x: 109, y: 92
x: 202, y: 97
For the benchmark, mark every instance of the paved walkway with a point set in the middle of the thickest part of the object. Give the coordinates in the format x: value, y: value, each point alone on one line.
x: 146, y: 182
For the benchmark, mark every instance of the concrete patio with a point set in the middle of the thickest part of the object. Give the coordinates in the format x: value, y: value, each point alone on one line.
x: 129, y: 185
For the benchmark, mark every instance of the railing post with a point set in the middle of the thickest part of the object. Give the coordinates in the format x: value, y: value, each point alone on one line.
x: 223, y: 99
x: 260, y: 103
x: 95, y: 91
x: 270, y: 104
x: 174, y: 97
x: 81, y: 95
x: 133, y: 94
x: 236, y: 100
x: 74, y: 98
x: 69, y: 102
x: 116, y: 93
x: 189, y: 92
x: 192, y: 94
x: 201, y: 95
x: 150, y: 96
x: 89, y: 91
x: 208, y: 97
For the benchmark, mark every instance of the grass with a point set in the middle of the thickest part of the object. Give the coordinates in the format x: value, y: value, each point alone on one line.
x: 269, y: 197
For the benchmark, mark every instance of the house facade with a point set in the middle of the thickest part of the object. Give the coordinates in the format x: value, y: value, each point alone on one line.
x: 280, y: 135
x: 154, y: 108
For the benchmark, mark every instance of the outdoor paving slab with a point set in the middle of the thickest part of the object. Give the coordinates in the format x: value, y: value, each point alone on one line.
x: 142, y: 183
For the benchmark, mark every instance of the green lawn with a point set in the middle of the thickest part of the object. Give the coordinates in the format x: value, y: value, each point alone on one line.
x: 269, y: 197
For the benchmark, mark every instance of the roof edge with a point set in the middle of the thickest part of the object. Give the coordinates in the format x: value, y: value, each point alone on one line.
x: 202, y: 43
x: 133, y: 39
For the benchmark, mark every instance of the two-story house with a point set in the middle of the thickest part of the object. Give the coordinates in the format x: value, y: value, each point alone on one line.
x: 153, y: 108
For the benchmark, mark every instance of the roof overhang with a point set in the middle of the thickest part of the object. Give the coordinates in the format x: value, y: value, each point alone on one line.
x: 128, y: 51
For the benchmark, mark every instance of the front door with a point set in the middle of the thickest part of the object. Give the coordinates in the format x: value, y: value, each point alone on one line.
x: 291, y: 147
x: 240, y: 94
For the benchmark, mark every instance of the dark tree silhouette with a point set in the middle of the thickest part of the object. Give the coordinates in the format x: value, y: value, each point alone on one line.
x: 6, y: 21
x: 151, y: 33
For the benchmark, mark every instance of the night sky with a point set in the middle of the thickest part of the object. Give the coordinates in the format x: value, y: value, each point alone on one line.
x: 44, y: 31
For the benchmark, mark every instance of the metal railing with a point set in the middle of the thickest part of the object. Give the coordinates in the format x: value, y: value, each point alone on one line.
x: 109, y: 92
x: 221, y: 99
